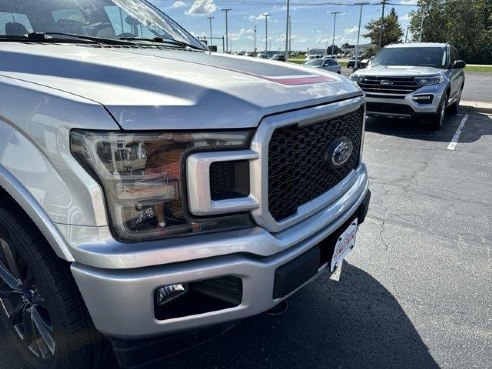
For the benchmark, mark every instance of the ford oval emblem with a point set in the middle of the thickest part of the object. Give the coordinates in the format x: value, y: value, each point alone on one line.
x: 386, y: 82
x: 339, y: 152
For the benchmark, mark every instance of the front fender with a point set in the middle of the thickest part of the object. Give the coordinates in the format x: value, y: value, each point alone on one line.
x: 36, y: 166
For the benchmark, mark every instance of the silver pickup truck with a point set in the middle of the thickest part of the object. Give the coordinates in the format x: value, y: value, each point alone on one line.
x: 153, y: 193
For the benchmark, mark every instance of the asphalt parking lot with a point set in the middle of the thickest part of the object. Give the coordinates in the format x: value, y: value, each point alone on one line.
x: 416, y: 291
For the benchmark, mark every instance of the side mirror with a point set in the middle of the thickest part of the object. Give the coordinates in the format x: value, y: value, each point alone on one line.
x: 459, y: 64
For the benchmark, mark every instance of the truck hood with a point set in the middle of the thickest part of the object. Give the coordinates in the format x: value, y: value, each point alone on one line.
x: 149, y: 88
x: 398, y: 71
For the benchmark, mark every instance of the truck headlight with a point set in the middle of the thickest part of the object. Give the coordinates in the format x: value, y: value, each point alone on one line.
x: 142, y: 177
x: 427, y: 81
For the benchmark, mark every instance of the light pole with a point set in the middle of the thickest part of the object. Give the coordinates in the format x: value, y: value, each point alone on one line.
x: 421, y: 25
x: 358, y: 32
x: 406, y: 35
x: 227, y: 28
x: 381, y: 30
x: 254, y: 50
x: 287, y: 32
x: 266, y: 15
x: 211, y: 35
x: 290, y: 35
x: 334, y: 27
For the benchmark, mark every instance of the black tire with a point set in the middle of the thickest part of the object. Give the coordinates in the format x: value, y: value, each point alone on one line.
x: 77, y: 344
x: 438, y: 120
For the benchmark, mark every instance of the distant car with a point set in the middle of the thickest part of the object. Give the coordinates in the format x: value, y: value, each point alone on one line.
x: 326, y: 63
x: 248, y: 53
x: 355, y: 62
x: 313, y: 56
x: 262, y: 56
x: 279, y: 57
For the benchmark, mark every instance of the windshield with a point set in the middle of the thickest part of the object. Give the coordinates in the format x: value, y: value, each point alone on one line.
x: 315, y: 62
x: 111, y: 19
x: 413, y: 56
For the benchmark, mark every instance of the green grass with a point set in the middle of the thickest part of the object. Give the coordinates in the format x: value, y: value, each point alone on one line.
x: 476, y: 68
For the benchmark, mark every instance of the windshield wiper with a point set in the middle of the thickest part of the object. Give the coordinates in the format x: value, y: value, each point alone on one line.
x: 63, y: 37
x: 162, y: 41
x: 46, y: 35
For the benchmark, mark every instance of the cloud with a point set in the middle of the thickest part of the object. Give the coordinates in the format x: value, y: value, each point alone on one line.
x: 258, y: 17
x: 178, y: 4
x: 244, y: 33
x: 351, y: 30
x: 202, y: 7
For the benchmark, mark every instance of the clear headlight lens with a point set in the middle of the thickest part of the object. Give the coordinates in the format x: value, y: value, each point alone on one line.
x: 427, y: 81
x: 142, y: 176
x: 356, y: 77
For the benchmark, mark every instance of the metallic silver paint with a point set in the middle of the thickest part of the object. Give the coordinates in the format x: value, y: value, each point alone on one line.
x: 453, y: 81
x: 148, y: 89
x: 132, y: 290
x: 198, y: 181
x: 94, y: 246
x: 36, y: 213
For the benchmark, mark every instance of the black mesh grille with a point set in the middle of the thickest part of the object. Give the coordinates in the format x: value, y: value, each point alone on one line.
x: 298, y: 170
x: 398, y: 85
x: 221, y: 179
x: 229, y: 179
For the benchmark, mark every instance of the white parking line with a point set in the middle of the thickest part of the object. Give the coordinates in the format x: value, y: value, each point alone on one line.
x: 457, y: 134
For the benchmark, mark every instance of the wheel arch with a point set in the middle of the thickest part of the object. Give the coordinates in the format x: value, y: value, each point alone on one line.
x: 10, y: 187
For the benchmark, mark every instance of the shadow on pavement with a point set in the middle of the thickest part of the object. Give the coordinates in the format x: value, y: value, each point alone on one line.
x: 355, y: 323
x: 476, y: 127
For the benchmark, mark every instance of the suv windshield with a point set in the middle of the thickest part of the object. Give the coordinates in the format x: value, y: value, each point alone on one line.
x: 109, y: 19
x: 412, y: 56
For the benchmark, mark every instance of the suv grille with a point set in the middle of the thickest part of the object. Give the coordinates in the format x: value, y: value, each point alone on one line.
x: 297, y: 168
x: 396, y: 85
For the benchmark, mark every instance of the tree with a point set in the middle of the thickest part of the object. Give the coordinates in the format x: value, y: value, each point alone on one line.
x: 465, y: 24
x: 336, y: 50
x: 392, y: 31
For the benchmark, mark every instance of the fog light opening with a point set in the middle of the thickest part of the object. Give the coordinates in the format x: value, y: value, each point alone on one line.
x: 170, y: 292
x: 423, y: 99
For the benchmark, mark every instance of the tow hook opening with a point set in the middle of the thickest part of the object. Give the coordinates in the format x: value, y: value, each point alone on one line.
x: 278, y: 309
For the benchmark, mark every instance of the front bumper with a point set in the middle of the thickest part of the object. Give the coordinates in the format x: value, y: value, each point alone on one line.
x: 121, y: 302
x: 405, y: 106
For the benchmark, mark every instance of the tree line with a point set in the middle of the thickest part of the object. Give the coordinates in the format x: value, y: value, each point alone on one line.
x: 467, y: 24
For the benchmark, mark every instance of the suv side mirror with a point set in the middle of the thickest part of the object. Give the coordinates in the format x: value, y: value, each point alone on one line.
x: 458, y: 64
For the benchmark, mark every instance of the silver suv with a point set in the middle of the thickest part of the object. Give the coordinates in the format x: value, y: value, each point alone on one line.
x: 153, y: 193
x: 415, y: 80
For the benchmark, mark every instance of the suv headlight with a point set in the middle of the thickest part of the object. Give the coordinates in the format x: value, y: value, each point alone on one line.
x: 142, y: 177
x: 356, y: 77
x: 427, y: 81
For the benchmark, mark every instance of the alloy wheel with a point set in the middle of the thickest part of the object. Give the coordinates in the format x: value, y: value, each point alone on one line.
x: 24, y: 307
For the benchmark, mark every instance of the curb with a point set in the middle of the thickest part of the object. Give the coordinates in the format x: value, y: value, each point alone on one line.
x: 476, y: 106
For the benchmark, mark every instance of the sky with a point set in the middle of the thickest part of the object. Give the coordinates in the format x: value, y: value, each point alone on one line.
x: 312, y: 23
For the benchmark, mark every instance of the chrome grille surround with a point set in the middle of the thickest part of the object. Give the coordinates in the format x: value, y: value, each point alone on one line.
x: 259, y: 167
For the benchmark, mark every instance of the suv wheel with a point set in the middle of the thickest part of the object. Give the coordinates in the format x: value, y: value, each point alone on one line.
x: 42, y: 315
x: 438, y: 120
